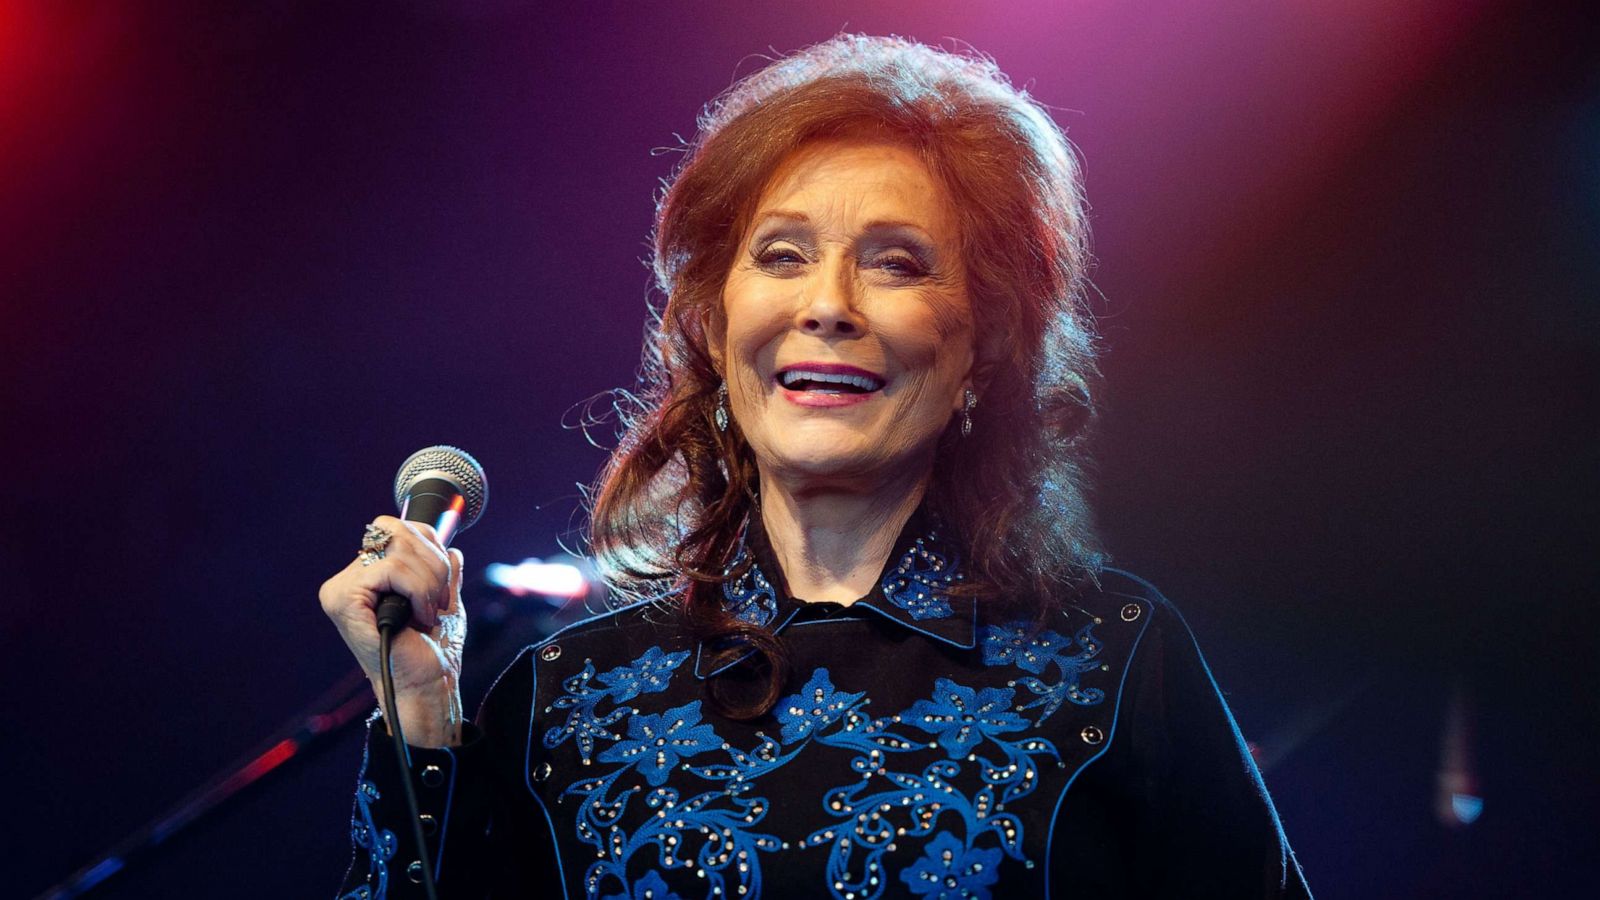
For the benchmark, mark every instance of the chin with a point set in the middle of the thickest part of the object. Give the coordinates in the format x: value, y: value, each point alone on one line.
x: 825, y: 467
x: 823, y: 452
x: 852, y: 457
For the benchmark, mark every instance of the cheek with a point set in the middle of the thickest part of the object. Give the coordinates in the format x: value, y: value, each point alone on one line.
x: 949, y: 314
x: 754, y: 320
x: 930, y: 333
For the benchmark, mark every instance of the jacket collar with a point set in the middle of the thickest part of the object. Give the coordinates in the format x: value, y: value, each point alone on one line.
x: 912, y: 590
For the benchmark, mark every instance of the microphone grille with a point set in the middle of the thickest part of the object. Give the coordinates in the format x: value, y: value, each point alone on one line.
x: 453, y: 464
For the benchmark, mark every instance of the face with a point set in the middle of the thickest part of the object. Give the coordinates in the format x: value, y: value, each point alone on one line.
x: 847, y: 341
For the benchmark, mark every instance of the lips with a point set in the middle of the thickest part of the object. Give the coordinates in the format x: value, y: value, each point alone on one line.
x: 824, y: 378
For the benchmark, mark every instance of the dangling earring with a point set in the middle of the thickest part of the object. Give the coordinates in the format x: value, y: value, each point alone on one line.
x: 968, y: 404
x: 720, y: 416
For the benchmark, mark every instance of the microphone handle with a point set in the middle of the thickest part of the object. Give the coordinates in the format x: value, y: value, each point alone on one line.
x: 437, y: 502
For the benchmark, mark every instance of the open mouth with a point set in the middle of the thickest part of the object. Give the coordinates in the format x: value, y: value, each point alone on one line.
x: 829, y: 379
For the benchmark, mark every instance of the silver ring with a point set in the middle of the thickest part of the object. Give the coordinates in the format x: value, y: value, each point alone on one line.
x: 373, y: 542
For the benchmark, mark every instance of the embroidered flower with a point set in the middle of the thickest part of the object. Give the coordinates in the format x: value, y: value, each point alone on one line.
x: 948, y: 870
x: 648, y: 674
x: 749, y: 597
x: 917, y: 584
x: 962, y: 717
x: 657, y: 742
x: 650, y: 887
x: 365, y: 834
x: 379, y: 844
x: 1010, y: 643
x: 817, y: 706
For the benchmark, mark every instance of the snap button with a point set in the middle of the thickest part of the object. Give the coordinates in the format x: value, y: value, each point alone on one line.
x: 550, y: 653
x: 429, y: 825
x: 414, y: 871
x: 1131, y: 612
x: 1092, y: 735
x: 541, y: 771
x: 432, y: 776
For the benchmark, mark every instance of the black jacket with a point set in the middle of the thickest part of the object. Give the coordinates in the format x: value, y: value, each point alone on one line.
x: 926, y: 746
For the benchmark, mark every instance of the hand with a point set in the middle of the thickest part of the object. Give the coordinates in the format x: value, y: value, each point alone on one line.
x: 425, y: 655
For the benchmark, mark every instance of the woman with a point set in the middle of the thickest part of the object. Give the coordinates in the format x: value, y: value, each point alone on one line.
x: 872, y: 649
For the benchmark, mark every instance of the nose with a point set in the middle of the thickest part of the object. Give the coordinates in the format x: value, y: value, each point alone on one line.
x: 828, y: 308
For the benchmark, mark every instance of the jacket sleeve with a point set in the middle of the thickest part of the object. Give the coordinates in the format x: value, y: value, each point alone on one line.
x: 484, y: 834
x: 454, y: 800
x: 1206, y: 825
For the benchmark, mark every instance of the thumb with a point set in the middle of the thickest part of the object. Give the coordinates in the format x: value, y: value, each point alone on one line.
x: 452, y: 596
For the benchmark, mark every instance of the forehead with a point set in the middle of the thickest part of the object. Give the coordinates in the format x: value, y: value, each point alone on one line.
x: 846, y: 181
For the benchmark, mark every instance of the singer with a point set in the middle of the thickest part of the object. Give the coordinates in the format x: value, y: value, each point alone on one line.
x: 866, y: 643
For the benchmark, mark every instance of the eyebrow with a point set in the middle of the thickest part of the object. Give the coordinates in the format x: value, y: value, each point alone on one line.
x: 873, y: 226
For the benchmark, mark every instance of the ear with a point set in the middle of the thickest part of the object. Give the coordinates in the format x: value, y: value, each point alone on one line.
x: 979, y: 373
x: 713, y: 324
x: 987, y: 351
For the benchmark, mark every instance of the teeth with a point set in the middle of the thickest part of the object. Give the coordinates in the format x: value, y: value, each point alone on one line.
x: 792, y: 376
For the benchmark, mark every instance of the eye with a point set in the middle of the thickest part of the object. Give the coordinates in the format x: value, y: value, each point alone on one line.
x: 901, y: 265
x: 779, y: 256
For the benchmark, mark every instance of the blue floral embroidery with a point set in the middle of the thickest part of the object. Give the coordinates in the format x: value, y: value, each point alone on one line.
x: 965, y: 832
x: 656, y: 742
x: 712, y: 831
x: 948, y: 870
x: 919, y: 582
x: 379, y: 844
x: 718, y: 822
x: 817, y: 706
x: 887, y: 806
x: 650, y: 887
x: 749, y: 596
x: 648, y: 674
x: 963, y: 718
x: 1010, y: 644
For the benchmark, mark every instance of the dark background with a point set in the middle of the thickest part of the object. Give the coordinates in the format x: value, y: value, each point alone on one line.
x: 249, y: 260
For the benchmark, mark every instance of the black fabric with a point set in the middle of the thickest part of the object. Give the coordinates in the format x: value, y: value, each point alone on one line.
x: 1147, y: 791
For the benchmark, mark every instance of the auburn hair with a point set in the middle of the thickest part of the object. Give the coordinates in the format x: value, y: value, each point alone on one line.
x: 668, y: 507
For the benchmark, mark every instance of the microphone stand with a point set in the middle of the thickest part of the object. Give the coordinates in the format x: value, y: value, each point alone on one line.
x: 339, y: 705
x: 346, y: 701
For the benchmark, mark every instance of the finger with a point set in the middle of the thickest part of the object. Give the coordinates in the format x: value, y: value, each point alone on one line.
x: 418, y: 539
x: 452, y: 595
x: 421, y: 530
x: 451, y: 632
x: 402, y: 575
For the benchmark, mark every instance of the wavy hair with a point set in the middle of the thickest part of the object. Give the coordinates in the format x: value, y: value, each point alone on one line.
x: 668, y: 507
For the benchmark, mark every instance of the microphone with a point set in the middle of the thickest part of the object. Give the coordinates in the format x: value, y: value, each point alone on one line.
x: 441, y: 486
x: 444, y: 487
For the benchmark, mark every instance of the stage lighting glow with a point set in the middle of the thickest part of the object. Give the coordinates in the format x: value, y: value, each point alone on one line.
x: 1466, y: 807
x: 535, y: 576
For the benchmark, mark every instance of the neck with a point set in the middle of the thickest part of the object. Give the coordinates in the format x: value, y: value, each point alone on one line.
x: 832, y: 542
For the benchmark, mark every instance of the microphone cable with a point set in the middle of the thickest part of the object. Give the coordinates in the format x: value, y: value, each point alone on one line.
x: 392, y: 716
